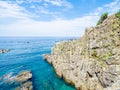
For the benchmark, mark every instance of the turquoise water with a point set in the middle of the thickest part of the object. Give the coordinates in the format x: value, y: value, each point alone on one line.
x: 26, y: 54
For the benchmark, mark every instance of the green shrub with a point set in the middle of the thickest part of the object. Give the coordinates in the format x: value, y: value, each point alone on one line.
x: 82, y: 53
x: 110, y: 56
x: 108, y: 44
x: 118, y: 14
x: 72, y: 51
x: 102, y: 64
x: 102, y: 18
x: 62, y: 48
x: 112, y: 33
x: 94, y: 53
x: 104, y: 55
x: 104, y: 37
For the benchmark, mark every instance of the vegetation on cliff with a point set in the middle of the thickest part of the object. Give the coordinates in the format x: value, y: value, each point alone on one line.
x: 102, y: 18
x: 93, y: 61
x: 118, y: 14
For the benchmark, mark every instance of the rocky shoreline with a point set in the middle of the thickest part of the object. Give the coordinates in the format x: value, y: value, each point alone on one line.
x: 93, y: 61
x: 4, y: 50
x: 22, y: 80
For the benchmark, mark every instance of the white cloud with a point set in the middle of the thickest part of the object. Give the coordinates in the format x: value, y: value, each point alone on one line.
x: 112, y: 4
x: 73, y: 27
x: 60, y: 3
x: 111, y: 8
x: 19, y: 1
x: 42, y: 10
x: 59, y: 27
x: 12, y: 10
x: 34, y: 0
x: 28, y: 1
x: 45, y: 5
x: 52, y: 15
x: 28, y: 27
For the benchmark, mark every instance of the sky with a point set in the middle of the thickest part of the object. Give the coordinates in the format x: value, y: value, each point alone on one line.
x: 62, y: 18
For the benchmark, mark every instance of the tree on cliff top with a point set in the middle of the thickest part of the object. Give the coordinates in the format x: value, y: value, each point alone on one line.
x: 118, y: 14
x: 102, y: 18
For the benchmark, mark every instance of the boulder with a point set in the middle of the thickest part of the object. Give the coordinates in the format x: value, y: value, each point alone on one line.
x: 25, y: 86
x: 4, y: 50
x: 23, y: 76
x: 22, y: 79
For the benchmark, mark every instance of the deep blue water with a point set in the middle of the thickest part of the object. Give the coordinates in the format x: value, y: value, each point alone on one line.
x: 26, y: 54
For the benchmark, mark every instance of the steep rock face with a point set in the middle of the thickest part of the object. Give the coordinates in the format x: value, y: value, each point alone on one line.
x: 93, y: 61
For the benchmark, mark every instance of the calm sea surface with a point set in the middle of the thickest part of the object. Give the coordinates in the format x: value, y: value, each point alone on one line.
x: 26, y: 54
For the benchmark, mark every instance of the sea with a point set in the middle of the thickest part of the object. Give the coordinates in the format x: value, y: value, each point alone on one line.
x: 26, y: 53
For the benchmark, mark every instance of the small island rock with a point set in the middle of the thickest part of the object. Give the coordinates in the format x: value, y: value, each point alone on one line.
x: 4, y: 50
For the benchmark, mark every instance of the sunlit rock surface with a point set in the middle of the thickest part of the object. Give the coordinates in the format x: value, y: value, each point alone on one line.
x: 93, y: 61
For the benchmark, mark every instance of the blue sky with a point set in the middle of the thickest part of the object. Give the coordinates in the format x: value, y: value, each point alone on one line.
x: 51, y: 17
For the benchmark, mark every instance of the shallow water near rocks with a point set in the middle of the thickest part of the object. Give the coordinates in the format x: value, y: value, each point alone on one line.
x: 26, y: 54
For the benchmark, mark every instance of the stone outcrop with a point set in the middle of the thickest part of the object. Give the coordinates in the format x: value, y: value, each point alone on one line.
x: 23, y: 76
x: 93, y: 61
x: 22, y: 79
x: 4, y: 50
x: 25, y: 86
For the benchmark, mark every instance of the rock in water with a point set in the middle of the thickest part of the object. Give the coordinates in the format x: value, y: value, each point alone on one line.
x: 25, y: 86
x: 23, y: 76
x: 22, y: 79
x: 93, y: 61
x: 4, y: 50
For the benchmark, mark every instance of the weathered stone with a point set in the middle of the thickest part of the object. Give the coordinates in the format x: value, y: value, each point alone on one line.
x: 91, y: 62
x: 23, y: 76
x: 25, y: 86
x: 22, y: 79
x: 4, y: 50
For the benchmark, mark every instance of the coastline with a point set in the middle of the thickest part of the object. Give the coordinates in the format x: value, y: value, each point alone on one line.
x: 91, y: 62
x: 28, y: 56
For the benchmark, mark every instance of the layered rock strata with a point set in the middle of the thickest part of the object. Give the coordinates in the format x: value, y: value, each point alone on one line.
x: 22, y: 80
x: 93, y: 61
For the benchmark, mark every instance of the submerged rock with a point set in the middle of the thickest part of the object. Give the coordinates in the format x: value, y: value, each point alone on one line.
x: 4, y: 50
x: 23, y: 76
x: 22, y: 79
x: 26, y: 86
x: 93, y: 61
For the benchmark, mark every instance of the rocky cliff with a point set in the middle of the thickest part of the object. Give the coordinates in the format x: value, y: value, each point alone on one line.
x: 93, y: 61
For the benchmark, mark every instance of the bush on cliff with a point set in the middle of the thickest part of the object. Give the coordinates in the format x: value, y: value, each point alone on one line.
x: 118, y: 14
x: 102, y: 18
